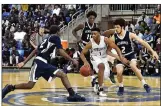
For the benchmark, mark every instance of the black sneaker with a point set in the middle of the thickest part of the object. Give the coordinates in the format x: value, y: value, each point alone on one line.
x: 75, y: 98
x: 6, y: 90
x: 112, y: 78
x: 120, y: 92
x: 147, y: 88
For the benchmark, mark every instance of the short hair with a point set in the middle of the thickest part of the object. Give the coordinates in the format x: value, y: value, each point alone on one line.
x: 147, y: 28
x: 91, y: 13
x: 120, y: 21
x: 54, y: 29
x: 96, y: 29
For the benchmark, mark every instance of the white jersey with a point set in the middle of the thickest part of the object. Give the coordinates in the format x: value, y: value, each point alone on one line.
x: 100, y: 49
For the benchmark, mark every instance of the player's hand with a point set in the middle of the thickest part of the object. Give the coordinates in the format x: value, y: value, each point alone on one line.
x: 75, y: 63
x: 20, y: 65
x: 155, y: 55
x: 124, y: 60
x: 86, y: 64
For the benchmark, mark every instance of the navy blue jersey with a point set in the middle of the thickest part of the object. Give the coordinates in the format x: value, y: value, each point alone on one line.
x: 47, y: 48
x: 86, y: 33
x: 125, y: 44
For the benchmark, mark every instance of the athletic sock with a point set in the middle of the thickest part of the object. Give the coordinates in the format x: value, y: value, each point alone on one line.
x: 121, y: 84
x: 71, y: 91
x: 143, y: 82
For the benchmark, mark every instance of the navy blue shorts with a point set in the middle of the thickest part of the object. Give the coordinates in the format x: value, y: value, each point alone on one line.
x: 128, y: 57
x: 42, y: 69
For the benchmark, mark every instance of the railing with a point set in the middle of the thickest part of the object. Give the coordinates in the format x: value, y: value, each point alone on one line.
x: 114, y: 7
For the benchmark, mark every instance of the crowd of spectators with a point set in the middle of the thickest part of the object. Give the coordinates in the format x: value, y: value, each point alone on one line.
x: 25, y: 25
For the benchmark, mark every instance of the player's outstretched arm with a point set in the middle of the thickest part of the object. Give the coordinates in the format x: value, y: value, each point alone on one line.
x: 109, y: 32
x: 145, y: 44
x: 74, y: 31
x: 84, y: 51
x: 20, y: 65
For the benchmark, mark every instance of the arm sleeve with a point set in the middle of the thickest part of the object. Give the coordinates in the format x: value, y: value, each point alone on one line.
x: 56, y: 41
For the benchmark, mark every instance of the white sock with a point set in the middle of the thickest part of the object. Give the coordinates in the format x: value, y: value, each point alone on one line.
x: 92, y: 77
x: 156, y: 70
x: 121, y: 84
x: 143, y: 82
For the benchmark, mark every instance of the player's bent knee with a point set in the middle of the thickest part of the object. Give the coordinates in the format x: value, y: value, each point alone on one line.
x: 101, y: 66
x: 61, y: 74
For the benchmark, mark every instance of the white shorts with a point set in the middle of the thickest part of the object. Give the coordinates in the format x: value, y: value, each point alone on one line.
x: 96, y: 61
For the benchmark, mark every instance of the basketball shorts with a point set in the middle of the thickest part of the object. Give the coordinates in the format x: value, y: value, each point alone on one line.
x: 130, y: 57
x: 96, y: 61
x: 40, y: 68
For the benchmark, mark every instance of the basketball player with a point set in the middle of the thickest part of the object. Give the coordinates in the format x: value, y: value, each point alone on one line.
x: 98, y: 46
x: 42, y: 68
x: 123, y: 39
x: 85, y: 38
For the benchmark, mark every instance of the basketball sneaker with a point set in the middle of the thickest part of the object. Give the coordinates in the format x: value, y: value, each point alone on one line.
x: 6, y: 90
x: 147, y: 88
x: 94, y: 81
x: 112, y: 78
x: 101, y: 92
x: 96, y: 87
x: 75, y: 98
x: 120, y: 92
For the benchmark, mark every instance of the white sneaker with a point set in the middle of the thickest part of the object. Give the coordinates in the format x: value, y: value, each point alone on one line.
x: 102, y: 94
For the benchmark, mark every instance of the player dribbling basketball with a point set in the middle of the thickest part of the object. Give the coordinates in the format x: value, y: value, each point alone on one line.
x: 98, y: 46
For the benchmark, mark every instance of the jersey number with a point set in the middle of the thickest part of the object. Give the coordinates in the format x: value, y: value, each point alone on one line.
x: 41, y: 46
x: 88, y: 36
x: 123, y: 49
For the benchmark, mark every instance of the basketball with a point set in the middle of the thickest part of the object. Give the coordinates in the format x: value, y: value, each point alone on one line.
x: 84, y: 71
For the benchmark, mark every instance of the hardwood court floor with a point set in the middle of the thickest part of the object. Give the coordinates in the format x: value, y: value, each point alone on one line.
x: 54, y: 94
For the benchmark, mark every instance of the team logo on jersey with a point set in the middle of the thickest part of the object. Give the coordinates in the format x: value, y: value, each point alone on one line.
x: 132, y: 94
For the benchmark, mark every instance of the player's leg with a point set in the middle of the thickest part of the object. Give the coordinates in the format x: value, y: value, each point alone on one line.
x: 72, y: 95
x: 133, y: 65
x: 33, y: 76
x: 52, y: 71
x: 119, y: 69
x: 99, y: 67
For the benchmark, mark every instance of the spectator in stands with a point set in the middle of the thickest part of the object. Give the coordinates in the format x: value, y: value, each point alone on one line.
x: 19, y: 35
x: 26, y: 45
x: 142, y: 26
x: 5, y: 56
x: 154, y: 28
x: 148, y: 37
x: 54, y: 20
x: 9, y: 41
x: 64, y: 10
x: 71, y: 11
x: 143, y: 17
x: 56, y: 10
x: 129, y: 24
x: 137, y: 32
x: 14, y: 56
x: 37, y: 38
x: 157, y: 17
x: 158, y: 8
x: 62, y: 19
